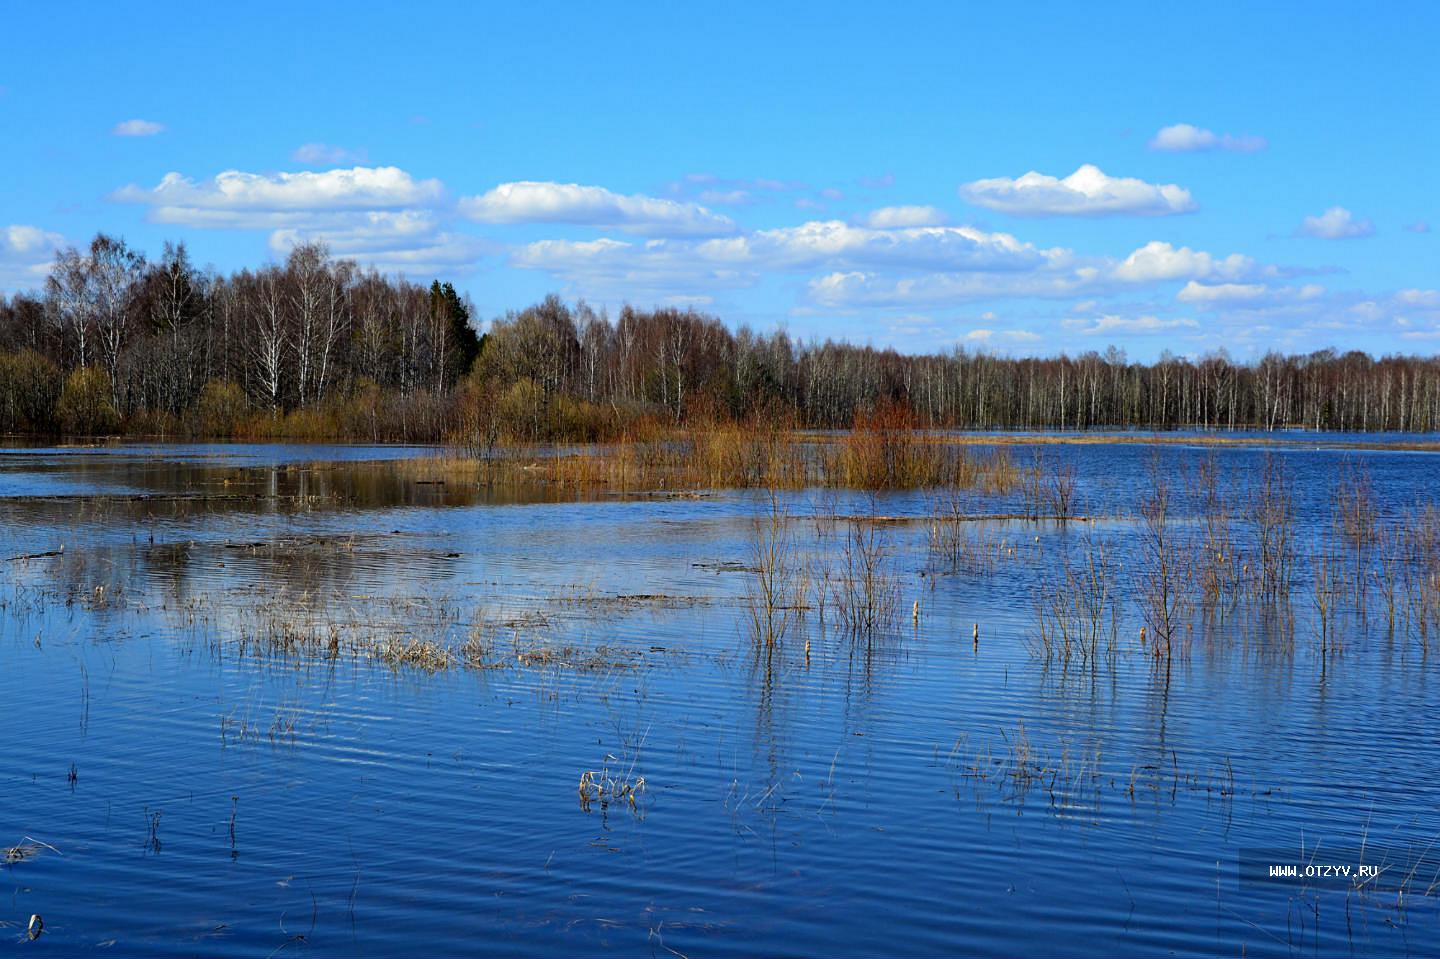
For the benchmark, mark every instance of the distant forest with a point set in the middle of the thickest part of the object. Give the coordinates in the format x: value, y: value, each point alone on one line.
x: 317, y: 348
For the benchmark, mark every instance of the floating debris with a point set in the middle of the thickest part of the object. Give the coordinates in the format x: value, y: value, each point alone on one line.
x: 27, y: 848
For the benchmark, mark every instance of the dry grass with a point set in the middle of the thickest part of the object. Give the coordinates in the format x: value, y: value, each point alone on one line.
x: 1272, y: 515
x: 1078, y: 614
x: 1219, y: 569
x: 864, y: 590
x: 606, y: 786
x: 775, y: 588
x: 426, y: 654
x: 1164, y: 578
x: 24, y: 850
x: 884, y: 451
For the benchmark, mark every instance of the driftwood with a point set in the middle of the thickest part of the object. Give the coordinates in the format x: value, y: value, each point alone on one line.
x: 53, y: 552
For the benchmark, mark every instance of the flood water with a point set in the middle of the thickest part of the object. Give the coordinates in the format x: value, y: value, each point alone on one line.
x: 202, y: 752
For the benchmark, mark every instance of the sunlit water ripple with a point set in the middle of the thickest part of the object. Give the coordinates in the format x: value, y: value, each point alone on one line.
x: 865, y: 802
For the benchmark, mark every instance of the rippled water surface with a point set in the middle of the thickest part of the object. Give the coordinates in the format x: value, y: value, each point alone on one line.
x: 204, y: 749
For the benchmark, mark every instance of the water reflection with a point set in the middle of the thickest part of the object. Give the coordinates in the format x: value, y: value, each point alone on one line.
x: 276, y: 695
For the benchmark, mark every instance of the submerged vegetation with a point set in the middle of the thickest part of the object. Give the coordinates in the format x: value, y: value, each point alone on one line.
x: 799, y: 645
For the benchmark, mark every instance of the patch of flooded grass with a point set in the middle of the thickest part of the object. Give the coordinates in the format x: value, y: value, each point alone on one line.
x: 803, y: 689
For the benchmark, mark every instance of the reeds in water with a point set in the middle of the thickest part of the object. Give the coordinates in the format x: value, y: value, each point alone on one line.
x: 865, y: 591
x: 775, y: 590
x: 1355, y: 518
x: 1272, y: 518
x: 1078, y: 614
x: 1164, y: 578
x: 1220, y: 568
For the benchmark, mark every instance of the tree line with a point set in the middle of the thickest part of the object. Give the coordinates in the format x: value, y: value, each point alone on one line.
x: 316, y: 347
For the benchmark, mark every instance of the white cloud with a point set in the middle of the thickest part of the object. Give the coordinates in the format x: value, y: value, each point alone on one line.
x: 1419, y: 226
x: 544, y: 202
x: 252, y: 200
x: 349, y: 232
x: 857, y: 289
x: 713, y: 190
x: 137, y: 128
x: 1227, y: 294
x: 377, y: 216
x: 1220, y: 292
x: 911, y: 266
x: 1156, y: 261
x: 726, y: 197
x: 1429, y: 299
x: 1086, y: 192
x: 1336, y: 223
x: 653, y: 268
x: 839, y: 244
x: 325, y: 154
x: 392, y: 241
x: 1185, y: 138
x: 858, y: 267
x: 983, y: 335
x: 890, y: 217
x: 820, y: 244
x: 406, y: 242
x: 1111, y: 324
x: 26, y: 253
x: 893, y: 263
x: 25, y: 240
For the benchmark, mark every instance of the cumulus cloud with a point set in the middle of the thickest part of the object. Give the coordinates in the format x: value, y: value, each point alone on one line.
x: 137, y: 128
x: 1220, y: 292
x: 985, y: 336
x: 1419, y: 226
x: 1156, y: 261
x: 350, y: 232
x: 856, y: 266
x: 1336, y: 223
x: 546, y: 202
x: 254, y: 200
x: 25, y: 240
x: 1185, y: 138
x: 1086, y: 192
x: 857, y: 289
x: 889, y: 217
x: 377, y: 216
x: 821, y: 244
x: 1248, y: 294
x: 1427, y: 299
x: 1057, y: 273
x: 1110, y: 324
x: 859, y: 266
x: 392, y: 241
x: 406, y: 242
x: 26, y: 253
x: 325, y: 154
x: 835, y: 243
x: 654, y: 268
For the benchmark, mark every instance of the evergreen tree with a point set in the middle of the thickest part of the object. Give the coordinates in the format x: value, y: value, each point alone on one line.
x: 447, y: 303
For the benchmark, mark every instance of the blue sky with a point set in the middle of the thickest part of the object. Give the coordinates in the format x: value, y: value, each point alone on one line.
x: 1017, y: 178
